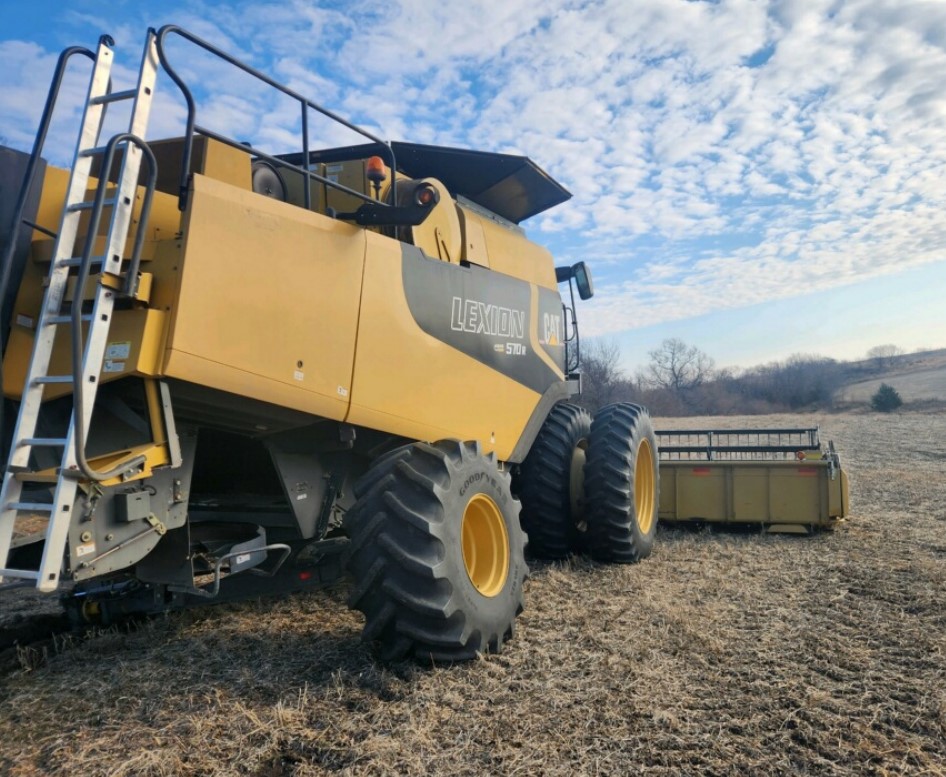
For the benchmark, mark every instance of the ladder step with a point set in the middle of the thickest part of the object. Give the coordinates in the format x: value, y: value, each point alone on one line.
x: 26, y: 475
x: 89, y: 204
x: 53, y: 320
x: 30, y: 507
x: 77, y: 260
x: 29, y: 574
x: 43, y: 442
x: 113, y: 97
x: 53, y: 379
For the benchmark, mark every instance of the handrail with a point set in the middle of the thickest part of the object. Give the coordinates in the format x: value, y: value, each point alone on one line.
x: 38, y: 143
x: 304, y: 102
x: 6, y: 262
x: 572, y: 359
x: 811, y: 431
x: 131, y: 281
x: 725, y: 444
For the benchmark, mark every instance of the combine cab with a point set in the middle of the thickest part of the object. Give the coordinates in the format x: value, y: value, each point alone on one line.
x: 783, y: 479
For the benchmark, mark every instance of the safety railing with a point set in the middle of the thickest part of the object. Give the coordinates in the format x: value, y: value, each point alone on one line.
x: 737, y: 444
x: 305, y: 104
x: 29, y: 175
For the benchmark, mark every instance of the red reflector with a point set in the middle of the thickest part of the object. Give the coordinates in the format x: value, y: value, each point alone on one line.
x: 701, y: 471
x: 808, y: 472
x: 305, y: 575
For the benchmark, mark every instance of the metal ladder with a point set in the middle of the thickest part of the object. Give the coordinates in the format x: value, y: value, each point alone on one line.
x: 53, y: 315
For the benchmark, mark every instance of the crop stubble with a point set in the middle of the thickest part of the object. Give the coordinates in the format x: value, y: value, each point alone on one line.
x: 724, y: 653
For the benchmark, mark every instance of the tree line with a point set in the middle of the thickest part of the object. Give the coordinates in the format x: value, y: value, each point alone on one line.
x: 680, y: 379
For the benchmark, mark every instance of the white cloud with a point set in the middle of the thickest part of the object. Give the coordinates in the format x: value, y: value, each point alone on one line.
x: 719, y: 153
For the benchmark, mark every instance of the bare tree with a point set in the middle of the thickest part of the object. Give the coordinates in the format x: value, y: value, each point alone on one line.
x: 803, y: 380
x: 678, y: 367
x: 883, y: 355
x: 807, y: 379
x: 602, y: 380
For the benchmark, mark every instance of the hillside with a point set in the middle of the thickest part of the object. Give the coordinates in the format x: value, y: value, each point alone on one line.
x: 917, y: 377
x: 681, y: 381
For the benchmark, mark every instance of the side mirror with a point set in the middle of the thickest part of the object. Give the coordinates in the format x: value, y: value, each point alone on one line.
x: 582, y: 276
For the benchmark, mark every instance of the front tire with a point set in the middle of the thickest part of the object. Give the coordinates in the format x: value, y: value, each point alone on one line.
x: 436, y: 553
x: 622, y: 483
x: 551, y: 482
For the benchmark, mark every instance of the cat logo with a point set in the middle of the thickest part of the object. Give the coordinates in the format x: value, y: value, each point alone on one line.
x: 552, y: 326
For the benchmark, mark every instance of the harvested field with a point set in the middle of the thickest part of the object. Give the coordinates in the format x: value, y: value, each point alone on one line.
x: 724, y: 653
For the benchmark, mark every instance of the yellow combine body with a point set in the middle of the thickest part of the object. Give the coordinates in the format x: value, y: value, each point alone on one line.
x: 235, y: 372
x: 291, y: 292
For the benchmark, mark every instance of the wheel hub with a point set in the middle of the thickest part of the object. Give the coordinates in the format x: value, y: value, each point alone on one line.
x: 644, y: 486
x: 576, y: 480
x: 485, y: 545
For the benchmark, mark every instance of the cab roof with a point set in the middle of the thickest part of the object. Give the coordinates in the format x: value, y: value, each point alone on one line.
x: 513, y: 187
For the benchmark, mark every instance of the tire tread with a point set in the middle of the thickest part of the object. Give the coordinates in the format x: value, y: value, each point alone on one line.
x: 399, y: 534
x: 544, y: 483
x: 613, y: 534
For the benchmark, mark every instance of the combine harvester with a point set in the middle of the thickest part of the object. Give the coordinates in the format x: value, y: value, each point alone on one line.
x: 236, y: 373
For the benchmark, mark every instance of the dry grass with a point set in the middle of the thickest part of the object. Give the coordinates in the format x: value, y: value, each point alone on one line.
x: 724, y: 653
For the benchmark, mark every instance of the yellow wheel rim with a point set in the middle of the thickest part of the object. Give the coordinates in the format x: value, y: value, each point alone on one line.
x: 485, y: 545
x: 645, y: 487
x: 576, y: 478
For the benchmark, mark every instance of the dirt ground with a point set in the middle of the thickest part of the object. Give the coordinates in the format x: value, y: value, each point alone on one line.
x: 724, y: 653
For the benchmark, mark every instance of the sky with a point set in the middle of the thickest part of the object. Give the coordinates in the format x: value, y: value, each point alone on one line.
x: 758, y: 179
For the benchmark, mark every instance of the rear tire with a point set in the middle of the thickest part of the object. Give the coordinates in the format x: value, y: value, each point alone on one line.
x: 622, y: 484
x: 550, y: 483
x: 436, y: 553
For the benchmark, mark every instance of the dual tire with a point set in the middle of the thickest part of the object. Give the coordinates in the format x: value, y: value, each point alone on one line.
x: 622, y: 484
x: 591, y: 485
x: 550, y: 483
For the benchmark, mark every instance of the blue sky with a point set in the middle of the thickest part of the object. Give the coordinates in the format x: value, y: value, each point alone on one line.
x: 755, y: 178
